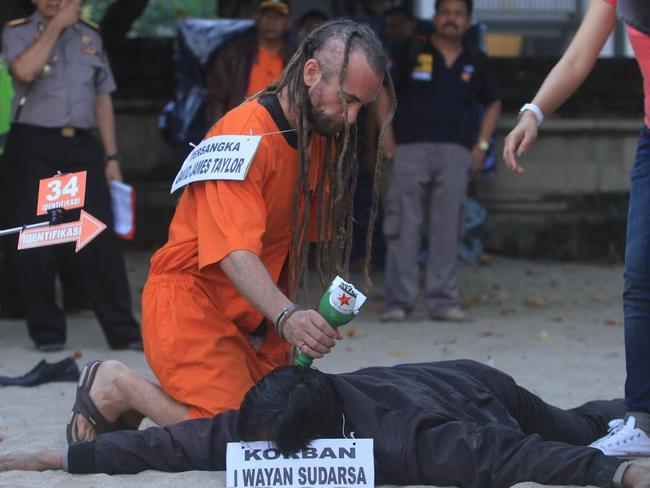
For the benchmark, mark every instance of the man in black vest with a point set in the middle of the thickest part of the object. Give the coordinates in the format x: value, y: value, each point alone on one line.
x: 442, y: 85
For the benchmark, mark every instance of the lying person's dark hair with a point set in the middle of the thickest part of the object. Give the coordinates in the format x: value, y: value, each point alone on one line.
x: 290, y: 407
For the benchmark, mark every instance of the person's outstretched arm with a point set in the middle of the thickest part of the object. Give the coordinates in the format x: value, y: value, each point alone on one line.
x: 564, y: 79
x: 198, y: 444
x: 32, y: 461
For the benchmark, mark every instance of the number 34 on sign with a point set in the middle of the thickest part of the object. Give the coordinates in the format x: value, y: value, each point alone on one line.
x: 63, y: 191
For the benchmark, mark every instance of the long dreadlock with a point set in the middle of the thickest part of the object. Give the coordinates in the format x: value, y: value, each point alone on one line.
x: 337, y: 179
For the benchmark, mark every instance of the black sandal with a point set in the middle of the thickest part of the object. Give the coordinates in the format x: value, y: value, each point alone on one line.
x: 85, y: 407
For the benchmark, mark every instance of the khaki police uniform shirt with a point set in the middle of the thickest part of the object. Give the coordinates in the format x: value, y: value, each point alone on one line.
x: 76, y: 72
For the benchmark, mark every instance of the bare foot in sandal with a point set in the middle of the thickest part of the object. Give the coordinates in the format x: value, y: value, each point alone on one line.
x: 112, y: 397
x: 101, y: 380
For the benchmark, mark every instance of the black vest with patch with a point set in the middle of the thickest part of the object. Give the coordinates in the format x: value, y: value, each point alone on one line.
x: 635, y: 13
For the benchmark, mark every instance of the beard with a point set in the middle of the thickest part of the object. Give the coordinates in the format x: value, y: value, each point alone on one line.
x: 325, y: 125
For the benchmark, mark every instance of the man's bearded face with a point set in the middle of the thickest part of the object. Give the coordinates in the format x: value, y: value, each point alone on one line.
x: 325, y: 125
x: 330, y: 103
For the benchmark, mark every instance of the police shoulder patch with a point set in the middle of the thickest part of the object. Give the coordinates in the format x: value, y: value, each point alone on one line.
x: 17, y: 22
x: 90, y: 24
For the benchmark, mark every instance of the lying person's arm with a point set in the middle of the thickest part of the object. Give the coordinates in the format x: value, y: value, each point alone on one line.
x: 191, y: 445
x: 33, y: 461
x: 468, y: 455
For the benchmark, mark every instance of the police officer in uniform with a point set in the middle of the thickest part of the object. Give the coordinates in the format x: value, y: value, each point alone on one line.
x: 63, y: 81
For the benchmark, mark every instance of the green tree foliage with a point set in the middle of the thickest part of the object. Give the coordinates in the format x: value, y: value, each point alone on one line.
x: 160, y: 17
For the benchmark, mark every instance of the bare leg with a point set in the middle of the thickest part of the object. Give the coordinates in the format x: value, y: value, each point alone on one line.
x: 117, y: 390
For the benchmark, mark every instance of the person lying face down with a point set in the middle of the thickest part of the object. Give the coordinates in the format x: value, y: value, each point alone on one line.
x: 452, y: 423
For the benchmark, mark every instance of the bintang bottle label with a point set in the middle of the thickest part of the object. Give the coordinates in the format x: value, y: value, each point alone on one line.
x: 338, y: 305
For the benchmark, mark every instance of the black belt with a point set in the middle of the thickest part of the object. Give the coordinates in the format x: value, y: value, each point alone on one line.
x: 65, y: 131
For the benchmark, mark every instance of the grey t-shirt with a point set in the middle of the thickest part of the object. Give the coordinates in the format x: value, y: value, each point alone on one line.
x: 76, y: 72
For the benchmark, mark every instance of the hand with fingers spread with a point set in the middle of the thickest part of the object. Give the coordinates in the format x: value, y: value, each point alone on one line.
x: 519, y: 140
x: 310, y: 333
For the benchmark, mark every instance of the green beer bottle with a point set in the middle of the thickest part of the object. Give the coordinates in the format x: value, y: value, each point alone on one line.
x: 338, y: 305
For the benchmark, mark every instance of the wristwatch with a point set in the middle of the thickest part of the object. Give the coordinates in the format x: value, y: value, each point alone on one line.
x: 113, y: 157
x: 483, y: 145
x: 537, y: 112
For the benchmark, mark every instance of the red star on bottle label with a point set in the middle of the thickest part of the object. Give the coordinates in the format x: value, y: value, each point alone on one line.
x: 344, y: 299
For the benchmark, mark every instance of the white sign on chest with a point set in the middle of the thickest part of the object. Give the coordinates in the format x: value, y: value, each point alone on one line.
x: 218, y: 158
x: 325, y: 463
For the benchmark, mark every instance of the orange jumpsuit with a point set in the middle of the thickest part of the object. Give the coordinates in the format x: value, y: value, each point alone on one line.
x: 196, y: 326
x: 265, y: 71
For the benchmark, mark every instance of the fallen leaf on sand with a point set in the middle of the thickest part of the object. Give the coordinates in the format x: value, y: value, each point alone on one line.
x: 352, y: 332
x: 470, y: 301
x: 374, y: 307
x: 543, y: 335
x: 484, y: 259
x: 77, y: 355
x: 538, y: 302
x: 610, y: 322
x: 376, y: 295
x: 486, y: 333
x: 399, y: 352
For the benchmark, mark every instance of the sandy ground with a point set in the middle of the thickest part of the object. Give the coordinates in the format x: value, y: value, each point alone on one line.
x: 555, y: 327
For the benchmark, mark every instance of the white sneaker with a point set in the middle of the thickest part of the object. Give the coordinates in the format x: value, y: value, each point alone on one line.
x: 624, y: 439
x: 454, y: 314
x: 393, y: 315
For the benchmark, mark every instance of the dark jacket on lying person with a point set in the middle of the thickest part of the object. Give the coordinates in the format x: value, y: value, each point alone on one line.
x: 456, y: 423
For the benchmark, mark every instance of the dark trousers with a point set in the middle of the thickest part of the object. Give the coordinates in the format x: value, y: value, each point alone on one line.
x: 636, y: 297
x: 33, y: 153
x: 10, y: 305
x: 579, y: 426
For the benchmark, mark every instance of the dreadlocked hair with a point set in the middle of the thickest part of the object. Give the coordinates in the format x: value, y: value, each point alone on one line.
x: 338, y: 176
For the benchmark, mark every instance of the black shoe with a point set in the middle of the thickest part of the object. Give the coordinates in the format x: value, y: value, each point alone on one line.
x: 43, y: 372
x: 11, y: 310
x: 50, y: 347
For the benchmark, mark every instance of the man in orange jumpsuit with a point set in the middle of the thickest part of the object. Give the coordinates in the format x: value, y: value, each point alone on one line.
x: 219, y: 285
x: 247, y: 64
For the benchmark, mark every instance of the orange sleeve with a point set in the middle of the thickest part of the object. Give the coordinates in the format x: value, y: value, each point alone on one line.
x: 231, y: 215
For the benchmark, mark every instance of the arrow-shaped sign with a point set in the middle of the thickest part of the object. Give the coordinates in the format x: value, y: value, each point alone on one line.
x: 82, y: 232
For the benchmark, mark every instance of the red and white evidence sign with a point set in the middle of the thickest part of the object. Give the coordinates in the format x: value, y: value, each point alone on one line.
x: 82, y: 232
x: 64, y: 191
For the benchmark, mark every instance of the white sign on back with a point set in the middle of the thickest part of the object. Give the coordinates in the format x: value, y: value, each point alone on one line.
x: 218, y: 158
x: 325, y: 463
